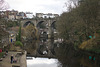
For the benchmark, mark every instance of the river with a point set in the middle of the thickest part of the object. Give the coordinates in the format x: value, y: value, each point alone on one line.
x: 41, y: 47
x: 42, y: 62
x: 66, y: 54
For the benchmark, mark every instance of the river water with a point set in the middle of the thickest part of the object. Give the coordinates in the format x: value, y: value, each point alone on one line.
x: 42, y: 62
x: 43, y: 45
x: 67, y: 56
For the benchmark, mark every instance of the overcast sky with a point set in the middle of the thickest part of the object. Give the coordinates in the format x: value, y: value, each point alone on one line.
x: 38, y: 6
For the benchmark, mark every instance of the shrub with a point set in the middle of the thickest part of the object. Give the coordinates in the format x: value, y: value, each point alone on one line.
x: 18, y: 43
x: 1, y: 54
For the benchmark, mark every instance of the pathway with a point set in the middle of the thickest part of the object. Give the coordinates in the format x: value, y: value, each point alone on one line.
x: 6, y: 60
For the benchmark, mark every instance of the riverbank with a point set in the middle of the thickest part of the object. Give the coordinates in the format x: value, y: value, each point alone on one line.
x: 20, y: 57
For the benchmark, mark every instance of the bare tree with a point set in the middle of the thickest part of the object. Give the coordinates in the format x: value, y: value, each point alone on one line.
x: 3, y: 5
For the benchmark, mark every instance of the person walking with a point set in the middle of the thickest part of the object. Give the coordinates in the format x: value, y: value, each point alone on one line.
x: 11, y: 59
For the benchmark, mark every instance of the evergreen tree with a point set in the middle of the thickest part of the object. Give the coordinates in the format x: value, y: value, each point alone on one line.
x: 18, y: 37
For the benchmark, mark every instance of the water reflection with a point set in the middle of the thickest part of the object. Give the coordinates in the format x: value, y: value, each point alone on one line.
x: 69, y: 57
x: 42, y: 62
x: 64, y: 52
x: 42, y: 47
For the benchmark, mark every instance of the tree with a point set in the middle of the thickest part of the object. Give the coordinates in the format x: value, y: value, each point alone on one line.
x: 30, y: 32
x: 3, y: 5
x: 80, y: 22
x: 18, y: 36
x: 75, y: 27
x: 89, y: 11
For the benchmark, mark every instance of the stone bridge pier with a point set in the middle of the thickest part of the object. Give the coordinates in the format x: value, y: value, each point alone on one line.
x: 43, y: 25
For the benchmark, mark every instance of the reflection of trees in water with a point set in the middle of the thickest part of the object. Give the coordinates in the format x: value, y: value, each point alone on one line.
x: 68, y: 57
x: 53, y: 49
x: 86, y: 62
x: 46, y: 45
x: 42, y: 46
x: 41, y: 49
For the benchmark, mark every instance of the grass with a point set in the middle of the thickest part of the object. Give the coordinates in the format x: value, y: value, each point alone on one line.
x: 87, y: 44
x: 92, y: 45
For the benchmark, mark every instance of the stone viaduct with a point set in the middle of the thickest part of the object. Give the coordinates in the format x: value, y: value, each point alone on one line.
x: 49, y: 24
x: 36, y: 22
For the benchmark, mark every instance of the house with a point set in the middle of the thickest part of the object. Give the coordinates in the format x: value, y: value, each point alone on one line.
x: 39, y: 15
x: 48, y: 15
x: 21, y: 15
